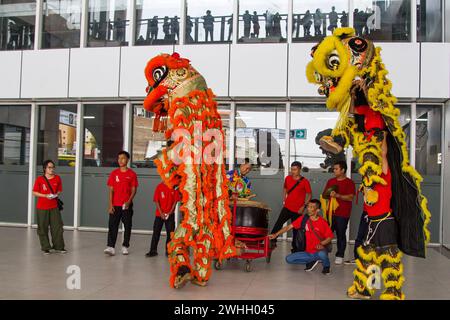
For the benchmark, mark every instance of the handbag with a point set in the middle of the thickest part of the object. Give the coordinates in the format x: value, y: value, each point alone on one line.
x: 58, y: 200
x: 300, y: 238
x: 328, y: 247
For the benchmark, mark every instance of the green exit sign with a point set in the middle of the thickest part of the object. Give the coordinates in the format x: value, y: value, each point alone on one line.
x: 298, y: 134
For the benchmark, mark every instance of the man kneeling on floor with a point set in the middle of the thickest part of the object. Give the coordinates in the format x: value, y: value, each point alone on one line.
x: 318, y: 236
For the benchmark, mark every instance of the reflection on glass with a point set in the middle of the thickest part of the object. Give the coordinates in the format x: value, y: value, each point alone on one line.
x: 61, y: 24
x: 308, y: 124
x: 57, y: 135
x: 428, y: 140
x: 146, y: 143
x: 103, y: 135
x: 107, y: 23
x: 313, y: 20
x: 157, y: 22
x: 14, y: 162
x: 17, y: 20
x: 260, y: 135
x: 209, y: 21
x: 429, y: 20
x: 263, y: 20
x: 386, y: 20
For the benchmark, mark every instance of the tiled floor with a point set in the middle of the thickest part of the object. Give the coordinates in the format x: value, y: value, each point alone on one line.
x: 25, y: 273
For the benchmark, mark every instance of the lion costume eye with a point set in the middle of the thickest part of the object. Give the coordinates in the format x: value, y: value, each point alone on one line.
x: 333, y: 61
x: 159, y: 74
x: 318, y: 77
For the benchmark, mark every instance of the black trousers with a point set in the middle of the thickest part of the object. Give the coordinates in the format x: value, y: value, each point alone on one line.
x: 114, y: 221
x: 157, y: 227
x: 362, y: 232
x: 284, y: 216
x: 339, y: 225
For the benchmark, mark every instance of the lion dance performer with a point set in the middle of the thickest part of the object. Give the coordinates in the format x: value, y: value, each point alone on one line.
x: 352, y: 76
x: 186, y: 111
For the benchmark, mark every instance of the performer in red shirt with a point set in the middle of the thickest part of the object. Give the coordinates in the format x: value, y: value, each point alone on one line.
x: 318, y: 235
x: 122, y: 185
x: 296, y: 194
x: 344, y: 191
x: 47, y: 189
x: 165, y: 200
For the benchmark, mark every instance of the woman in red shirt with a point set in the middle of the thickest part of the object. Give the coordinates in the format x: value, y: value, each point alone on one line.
x: 47, y: 188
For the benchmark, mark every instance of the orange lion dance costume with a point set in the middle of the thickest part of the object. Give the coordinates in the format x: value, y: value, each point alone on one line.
x: 186, y: 111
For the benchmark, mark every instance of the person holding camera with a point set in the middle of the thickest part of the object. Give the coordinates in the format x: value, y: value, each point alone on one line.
x: 47, y: 189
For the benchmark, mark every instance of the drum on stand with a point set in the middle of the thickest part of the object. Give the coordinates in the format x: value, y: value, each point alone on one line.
x: 252, y: 218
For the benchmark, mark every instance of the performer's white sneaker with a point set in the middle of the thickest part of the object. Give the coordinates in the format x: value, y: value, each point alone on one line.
x: 110, y: 251
x: 125, y: 251
x: 339, y: 261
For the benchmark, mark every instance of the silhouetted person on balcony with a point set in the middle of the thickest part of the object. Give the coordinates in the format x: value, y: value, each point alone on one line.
x: 230, y: 28
x: 208, y: 25
x: 95, y: 29
x: 14, y: 36
x: 102, y: 31
x: 166, y: 28
x: 357, y: 22
x: 189, y: 25
x: 120, y: 30
x: 247, y: 18
x: 307, y: 23
x: 269, y: 23
x: 256, y: 26
x: 277, y: 25
x: 344, y: 19
x: 175, y: 24
x: 152, y: 29
x: 317, y: 23
x: 333, y: 20
x: 140, y: 41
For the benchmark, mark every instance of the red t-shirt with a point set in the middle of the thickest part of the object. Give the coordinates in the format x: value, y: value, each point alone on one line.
x: 296, y: 198
x: 122, y: 183
x: 383, y: 205
x: 166, y: 197
x: 320, y: 226
x: 344, y: 187
x: 41, y: 186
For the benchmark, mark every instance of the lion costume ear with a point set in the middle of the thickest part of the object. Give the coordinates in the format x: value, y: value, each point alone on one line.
x: 344, y: 32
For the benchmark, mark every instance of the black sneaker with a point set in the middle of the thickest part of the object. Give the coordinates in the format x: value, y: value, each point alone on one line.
x: 326, y: 270
x: 63, y: 251
x: 350, y: 262
x: 151, y: 254
x: 46, y: 252
x: 310, y: 266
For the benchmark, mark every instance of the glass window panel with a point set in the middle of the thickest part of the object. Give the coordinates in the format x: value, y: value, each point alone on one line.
x: 260, y: 135
x: 17, y: 20
x: 429, y: 20
x: 428, y: 140
x: 14, y: 162
x: 308, y: 124
x: 103, y: 135
x: 313, y: 20
x: 385, y: 20
x: 429, y: 161
x: 57, y: 134
x: 263, y: 20
x: 209, y: 21
x: 61, y: 24
x: 108, y: 23
x: 157, y: 22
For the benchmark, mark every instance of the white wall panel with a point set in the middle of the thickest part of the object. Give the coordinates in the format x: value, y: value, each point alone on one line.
x: 435, y: 70
x: 10, y: 63
x: 258, y: 70
x: 402, y: 62
x: 132, y: 65
x: 94, y: 72
x: 45, y: 74
x: 299, y: 57
x: 212, y: 61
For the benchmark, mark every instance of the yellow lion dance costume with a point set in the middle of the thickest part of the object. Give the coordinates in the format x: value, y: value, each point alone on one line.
x: 186, y: 111
x: 352, y: 76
